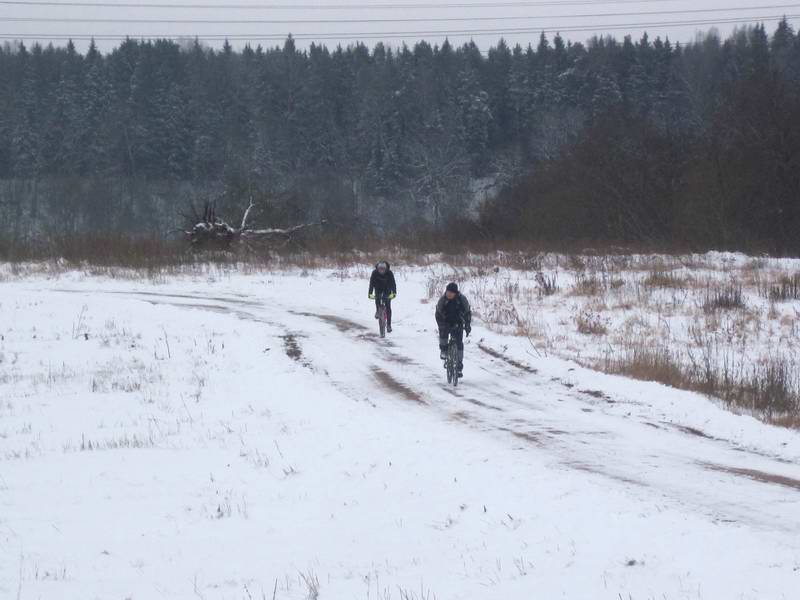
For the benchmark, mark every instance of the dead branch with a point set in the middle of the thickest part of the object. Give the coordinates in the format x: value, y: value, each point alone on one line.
x: 281, y: 232
x: 211, y: 232
x: 246, y: 214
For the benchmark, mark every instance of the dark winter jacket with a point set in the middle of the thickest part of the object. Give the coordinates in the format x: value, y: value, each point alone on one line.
x: 382, y: 282
x: 453, y: 312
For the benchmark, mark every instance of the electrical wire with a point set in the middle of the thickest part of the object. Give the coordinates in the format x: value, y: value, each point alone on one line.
x: 396, y: 20
x: 306, y: 7
x: 413, y: 34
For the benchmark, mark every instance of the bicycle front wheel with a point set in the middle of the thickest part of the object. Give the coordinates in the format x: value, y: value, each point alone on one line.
x: 452, y: 364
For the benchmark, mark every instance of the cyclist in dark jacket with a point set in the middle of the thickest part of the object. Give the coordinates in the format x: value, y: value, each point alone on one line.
x: 382, y: 283
x: 453, y: 317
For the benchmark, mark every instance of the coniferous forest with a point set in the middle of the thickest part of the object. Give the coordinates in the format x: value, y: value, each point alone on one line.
x: 612, y: 141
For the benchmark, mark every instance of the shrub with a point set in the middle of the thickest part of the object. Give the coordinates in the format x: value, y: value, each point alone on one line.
x: 590, y: 322
x: 546, y: 284
x: 588, y: 286
x: 665, y: 279
x: 729, y: 297
x: 787, y: 288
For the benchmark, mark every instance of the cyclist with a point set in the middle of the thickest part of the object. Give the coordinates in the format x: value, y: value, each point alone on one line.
x: 454, y: 317
x: 382, y: 283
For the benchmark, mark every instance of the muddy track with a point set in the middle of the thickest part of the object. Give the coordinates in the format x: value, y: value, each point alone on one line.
x: 691, y: 431
x: 199, y: 296
x: 242, y: 315
x: 527, y: 431
x: 540, y: 437
x: 531, y: 437
x: 755, y: 475
x: 360, y: 332
x: 506, y: 359
x: 543, y: 437
x: 397, y: 387
x: 483, y: 404
x: 597, y: 394
x: 507, y: 395
x: 342, y: 324
x: 203, y: 307
x: 566, y: 447
x: 598, y: 470
x: 291, y: 343
x: 293, y: 349
x: 225, y: 299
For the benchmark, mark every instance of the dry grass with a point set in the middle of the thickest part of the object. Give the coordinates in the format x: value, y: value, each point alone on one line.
x: 590, y: 286
x: 311, y: 582
x: 547, y: 284
x: 729, y: 297
x: 665, y: 280
x: 770, y: 388
x: 590, y: 322
x: 786, y: 289
x: 645, y: 362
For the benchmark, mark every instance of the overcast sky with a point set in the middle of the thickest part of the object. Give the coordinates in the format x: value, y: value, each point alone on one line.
x: 392, y: 21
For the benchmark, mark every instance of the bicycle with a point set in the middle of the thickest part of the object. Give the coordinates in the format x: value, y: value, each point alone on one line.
x: 451, y: 360
x: 382, y: 314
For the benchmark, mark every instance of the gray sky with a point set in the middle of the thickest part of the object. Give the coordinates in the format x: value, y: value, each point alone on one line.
x: 337, y: 21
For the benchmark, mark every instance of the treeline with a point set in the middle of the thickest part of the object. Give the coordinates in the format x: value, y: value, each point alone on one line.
x: 711, y: 161
x: 610, y: 141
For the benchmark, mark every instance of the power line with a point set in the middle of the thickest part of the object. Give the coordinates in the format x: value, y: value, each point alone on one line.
x: 305, y: 7
x: 414, y: 34
x: 395, y: 20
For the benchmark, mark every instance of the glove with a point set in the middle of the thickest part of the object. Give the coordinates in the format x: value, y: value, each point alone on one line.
x: 392, y: 296
x: 372, y: 296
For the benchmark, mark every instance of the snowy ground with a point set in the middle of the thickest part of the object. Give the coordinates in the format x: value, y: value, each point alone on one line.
x: 250, y: 436
x: 718, y: 322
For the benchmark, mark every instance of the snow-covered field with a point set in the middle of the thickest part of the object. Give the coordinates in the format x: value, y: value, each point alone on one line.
x: 725, y: 324
x: 221, y: 435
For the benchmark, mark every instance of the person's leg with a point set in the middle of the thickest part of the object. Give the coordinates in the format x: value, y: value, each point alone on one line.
x: 459, y: 336
x: 377, y: 305
x: 443, y: 339
x: 388, y: 315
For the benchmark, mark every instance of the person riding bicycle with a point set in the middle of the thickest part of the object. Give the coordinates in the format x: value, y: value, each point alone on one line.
x: 382, y: 283
x: 454, y: 317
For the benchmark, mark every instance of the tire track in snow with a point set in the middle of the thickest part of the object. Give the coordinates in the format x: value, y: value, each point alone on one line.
x: 755, y: 475
x: 397, y: 387
x: 523, y: 430
x: 239, y: 300
x: 691, y: 489
x: 577, y: 448
x: 291, y: 345
x: 569, y: 448
x: 535, y: 433
x: 507, y: 359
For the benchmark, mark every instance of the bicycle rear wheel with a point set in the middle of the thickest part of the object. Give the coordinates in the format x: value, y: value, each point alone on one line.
x: 382, y: 321
x: 452, y: 361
